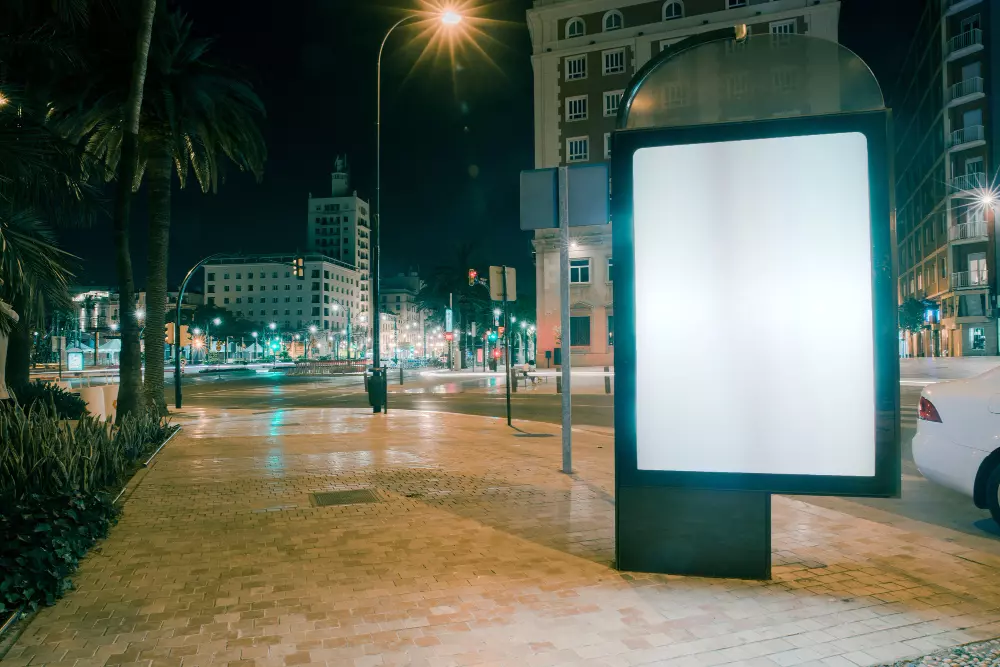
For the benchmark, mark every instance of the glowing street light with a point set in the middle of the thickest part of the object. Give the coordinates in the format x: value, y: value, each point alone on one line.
x: 272, y: 326
x: 312, y: 329
x: 253, y: 333
x: 196, y: 331
x: 140, y: 314
x: 449, y: 19
x: 217, y: 321
x: 114, y: 326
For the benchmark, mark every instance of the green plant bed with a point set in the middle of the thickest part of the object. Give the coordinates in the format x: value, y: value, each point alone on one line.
x: 57, y: 485
x: 67, y: 405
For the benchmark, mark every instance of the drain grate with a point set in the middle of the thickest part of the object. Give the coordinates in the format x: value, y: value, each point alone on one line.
x: 351, y: 497
x: 533, y: 435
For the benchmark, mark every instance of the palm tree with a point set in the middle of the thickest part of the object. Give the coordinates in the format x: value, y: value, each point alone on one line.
x: 197, y: 116
x: 39, y: 181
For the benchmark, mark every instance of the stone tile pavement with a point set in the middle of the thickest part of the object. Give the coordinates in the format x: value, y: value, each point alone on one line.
x: 479, y: 552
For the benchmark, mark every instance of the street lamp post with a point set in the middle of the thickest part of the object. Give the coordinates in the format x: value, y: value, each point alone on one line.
x: 448, y: 18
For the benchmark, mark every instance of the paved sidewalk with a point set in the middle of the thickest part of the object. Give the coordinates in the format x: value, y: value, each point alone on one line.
x: 479, y: 552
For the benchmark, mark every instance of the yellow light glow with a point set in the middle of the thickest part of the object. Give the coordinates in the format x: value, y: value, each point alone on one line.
x: 449, y: 17
x: 3, y: 100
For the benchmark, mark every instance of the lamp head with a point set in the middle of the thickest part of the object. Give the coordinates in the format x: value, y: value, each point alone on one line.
x: 450, y: 17
x: 217, y: 321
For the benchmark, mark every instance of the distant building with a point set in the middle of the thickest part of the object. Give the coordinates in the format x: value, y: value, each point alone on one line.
x: 264, y: 289
x: 402, y: 330
x: 339, y: 227
x: 945, y: 141
x: 584, y: 52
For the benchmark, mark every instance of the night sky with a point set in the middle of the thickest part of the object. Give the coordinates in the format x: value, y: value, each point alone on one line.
x: 455, y: 137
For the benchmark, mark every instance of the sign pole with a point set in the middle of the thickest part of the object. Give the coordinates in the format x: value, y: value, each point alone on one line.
x: 506, y: 330
x: 567, y: 403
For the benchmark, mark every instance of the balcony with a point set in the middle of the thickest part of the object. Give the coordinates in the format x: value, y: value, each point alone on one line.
x: 968, y: 231
x: 965, y: 184
x: 978, y: 279
x: 965, y: 43
x: 966, y: 91
x: 955, y: 6
x: 967, y: 137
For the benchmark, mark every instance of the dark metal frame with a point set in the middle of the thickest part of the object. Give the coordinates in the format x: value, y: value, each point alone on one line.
x: 886, y: 481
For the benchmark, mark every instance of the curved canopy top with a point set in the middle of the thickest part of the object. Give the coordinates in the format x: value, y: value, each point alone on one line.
x: 716, y: 78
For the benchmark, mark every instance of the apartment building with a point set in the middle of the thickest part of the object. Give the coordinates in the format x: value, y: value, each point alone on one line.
x: 339, y: 226
x: 263, y: 289
x: 584, y: 53
x: 945, y: 142
x: 402, y: 330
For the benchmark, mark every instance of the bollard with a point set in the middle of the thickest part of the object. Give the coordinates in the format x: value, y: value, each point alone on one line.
x: 607, y: 380
x: 558, y: 384
x: 400, y: 376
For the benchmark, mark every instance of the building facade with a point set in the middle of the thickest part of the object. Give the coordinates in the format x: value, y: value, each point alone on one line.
x: 403, y: 321
x: 584, y: 53
x: 263, y: 289
x: 339, y: 227
x: 945, y: 141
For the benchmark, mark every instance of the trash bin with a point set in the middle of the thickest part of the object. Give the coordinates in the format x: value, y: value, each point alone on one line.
x: 94, y: 398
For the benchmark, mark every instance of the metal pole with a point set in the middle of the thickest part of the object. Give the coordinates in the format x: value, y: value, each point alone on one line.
x: 506, y: 324
x: 177, y: 328
x: 567, y: 403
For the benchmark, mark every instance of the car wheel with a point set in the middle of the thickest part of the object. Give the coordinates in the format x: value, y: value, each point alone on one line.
x: 993, y: 494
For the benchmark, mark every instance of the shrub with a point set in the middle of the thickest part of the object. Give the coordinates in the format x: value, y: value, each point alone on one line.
x: 56, y: 485
x: 42, y: 539
x: 67, y: 405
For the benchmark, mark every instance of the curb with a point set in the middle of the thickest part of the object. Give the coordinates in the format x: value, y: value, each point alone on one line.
x: 978, y: 654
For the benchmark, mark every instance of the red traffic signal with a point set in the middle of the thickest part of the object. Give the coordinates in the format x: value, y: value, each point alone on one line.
x: 449, y: 336
x: 473, y: 274
x: 496, y: 354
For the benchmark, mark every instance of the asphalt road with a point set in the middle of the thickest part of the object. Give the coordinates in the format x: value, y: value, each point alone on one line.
x: 921, y: 500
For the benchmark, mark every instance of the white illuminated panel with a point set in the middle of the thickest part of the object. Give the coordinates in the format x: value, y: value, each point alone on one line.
x: 754, y: 307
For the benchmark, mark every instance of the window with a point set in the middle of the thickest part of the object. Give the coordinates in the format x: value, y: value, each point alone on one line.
x: 288, y: 274
x: 611, y: 102
x: 275, y: 300
x: 225, y: 300
x: 614, y: 61
x: 315, y: 298
x: 579, y: 330
x: 575, y: 27
x: 576, y: 67
x: 239, y: 300
x: 211, y: 300
x: 315, y: 287
x: 249, y: 299
x: 288, y: 288
x: 578, y: 149
x: 315, y: 310
x: 274, y: 274
x: 326, y: 275
x: 298, y: 299
x: 315, y: 273
x: 781, y: 28
x: 225, y: 276
x: 579, y: 270
x: 239, y: 288
x: 613, y: 20
x: 249, y: 288
x: 611, y: 269
x: 611, y: 330
x: 211, y: 289
x: 607, y: 145
x: 225, y: 288
x: 211, y: 277
x: 733, y: 4
x: 977, y: 336
x: 673, y: 9
x: 238, y: 276
x: 576, y: 108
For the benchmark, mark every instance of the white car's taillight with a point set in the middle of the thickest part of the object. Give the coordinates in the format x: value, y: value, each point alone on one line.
x: 927, y: 411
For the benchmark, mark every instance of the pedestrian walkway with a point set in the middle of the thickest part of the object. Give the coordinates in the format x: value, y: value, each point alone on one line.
x: 475, y: 551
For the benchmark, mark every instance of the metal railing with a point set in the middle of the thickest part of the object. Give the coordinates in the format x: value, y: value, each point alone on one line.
x: 970, y: 279
x: 973, y: 181
x: 967, y: 230
x: 968, y: 134
x: 967, y: 87
x: 953, y: 3
x: 966, y: 39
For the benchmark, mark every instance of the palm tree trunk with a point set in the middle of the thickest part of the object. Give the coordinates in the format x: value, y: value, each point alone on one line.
x: 159, y: 173
x: 19, y: 346
x: 131, y: 355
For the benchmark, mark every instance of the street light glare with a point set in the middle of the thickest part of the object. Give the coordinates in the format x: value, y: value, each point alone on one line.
x: 217, y: 321
x: 450, y: 17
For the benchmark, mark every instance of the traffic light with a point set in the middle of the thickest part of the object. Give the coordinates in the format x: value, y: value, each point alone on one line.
x: 492, y: 335
x: 169, y: 332
x: 449, y: 336
x: 496, y: 354
x: 185, y: 336
x: 300, y: 267
x: 473, y: 274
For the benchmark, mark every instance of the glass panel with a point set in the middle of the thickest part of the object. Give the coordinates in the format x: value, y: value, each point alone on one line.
x: 765, y: 76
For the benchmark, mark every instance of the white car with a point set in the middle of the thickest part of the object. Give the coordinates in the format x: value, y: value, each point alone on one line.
x: 957, y: 444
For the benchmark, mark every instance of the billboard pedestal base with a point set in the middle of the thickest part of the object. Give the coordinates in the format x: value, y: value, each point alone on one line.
x: 694, y: 532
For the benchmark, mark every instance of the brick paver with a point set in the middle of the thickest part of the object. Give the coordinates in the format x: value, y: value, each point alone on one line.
x: 479, y: 553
